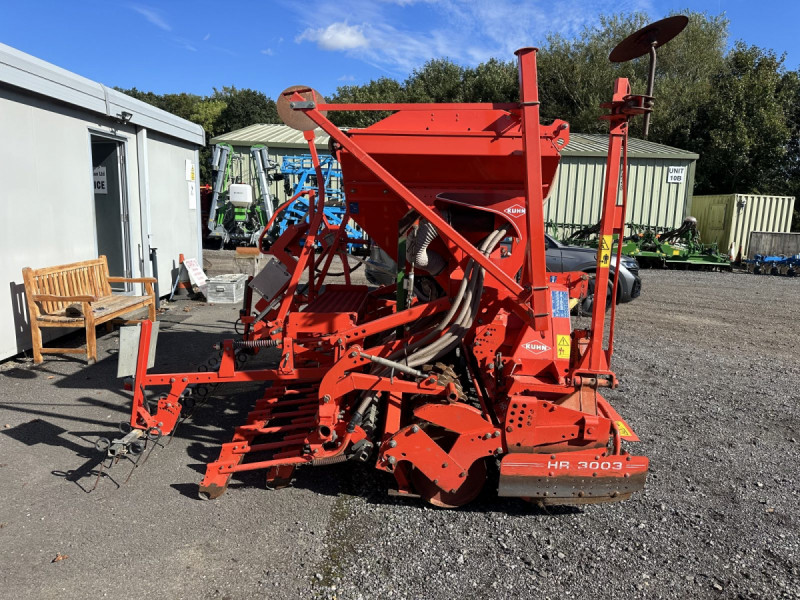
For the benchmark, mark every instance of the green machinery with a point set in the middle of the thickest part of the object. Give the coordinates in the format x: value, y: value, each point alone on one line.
x: 235, y: 218
x: 671, y: 248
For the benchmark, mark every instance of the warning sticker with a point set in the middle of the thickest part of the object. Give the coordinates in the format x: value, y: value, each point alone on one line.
x: 560, y: 300
x: 604, y: 252
x: 623, y: 429
x: 562, y: 346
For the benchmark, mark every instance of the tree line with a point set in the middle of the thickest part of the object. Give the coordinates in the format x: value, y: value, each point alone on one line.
x: 737, y: 107
x: 225, y: 110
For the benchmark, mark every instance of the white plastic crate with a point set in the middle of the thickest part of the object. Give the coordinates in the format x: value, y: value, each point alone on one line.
x: 227, y: 289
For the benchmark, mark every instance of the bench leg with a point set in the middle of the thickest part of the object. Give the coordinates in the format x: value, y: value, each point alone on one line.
x: 91, y: 340
x: 36, y: 336
x: 151, y: 311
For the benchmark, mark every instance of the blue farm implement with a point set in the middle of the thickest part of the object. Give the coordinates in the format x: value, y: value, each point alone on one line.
x: 300, y: 178
x: 774, y: 265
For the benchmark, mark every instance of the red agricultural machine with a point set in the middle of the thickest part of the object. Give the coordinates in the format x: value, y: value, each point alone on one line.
x: 471, y: 357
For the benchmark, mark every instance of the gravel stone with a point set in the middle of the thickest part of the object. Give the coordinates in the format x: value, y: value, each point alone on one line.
x: 708, y: 366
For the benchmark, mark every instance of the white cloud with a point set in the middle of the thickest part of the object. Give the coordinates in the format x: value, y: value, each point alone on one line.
x: 267, y: 51
x: 152, y: 15
x: 347, y: 78
x: 336, y: 36
x: 401, y: 35
x: 206, y: 37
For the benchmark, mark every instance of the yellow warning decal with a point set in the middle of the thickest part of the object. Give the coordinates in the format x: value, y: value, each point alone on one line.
x: 675, y: 252
x: 623, y: 429
x: 562, y: 346
x: 604, y: 252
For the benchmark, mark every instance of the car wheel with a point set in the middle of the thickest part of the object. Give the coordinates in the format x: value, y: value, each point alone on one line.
x: 585, y: 306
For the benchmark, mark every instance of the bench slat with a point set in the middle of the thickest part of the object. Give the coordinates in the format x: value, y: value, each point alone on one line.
x: 105, y: 275
x: 101, y: 308
x: 72, y: 284
x: 47, y: 289
x: 84, y: 275
x: 57, y: 268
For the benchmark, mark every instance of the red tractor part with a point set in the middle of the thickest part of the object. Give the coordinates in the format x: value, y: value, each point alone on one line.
x: 484, y: 367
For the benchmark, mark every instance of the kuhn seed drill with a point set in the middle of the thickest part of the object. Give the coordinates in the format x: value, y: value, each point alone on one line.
x: 484, y: 365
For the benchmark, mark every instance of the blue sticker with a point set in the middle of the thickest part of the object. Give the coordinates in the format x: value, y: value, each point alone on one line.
x: 553, y: 278
x: 353, y: 208
x: 560, y: 303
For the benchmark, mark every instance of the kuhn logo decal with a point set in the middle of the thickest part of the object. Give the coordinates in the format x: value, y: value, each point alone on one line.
x: 515, y: 211
x: 536, y: 347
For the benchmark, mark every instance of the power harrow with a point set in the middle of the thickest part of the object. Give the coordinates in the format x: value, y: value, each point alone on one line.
x: 659, y: 247
x: 486, y: 369
x: 675, y: 247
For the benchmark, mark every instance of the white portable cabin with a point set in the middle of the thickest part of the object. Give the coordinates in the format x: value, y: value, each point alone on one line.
x: 85, y: 171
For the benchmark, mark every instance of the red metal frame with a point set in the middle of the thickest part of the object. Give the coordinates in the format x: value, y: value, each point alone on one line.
x: 344, y: 349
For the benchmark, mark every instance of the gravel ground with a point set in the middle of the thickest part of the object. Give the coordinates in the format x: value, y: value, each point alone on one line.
x: 709, y: 369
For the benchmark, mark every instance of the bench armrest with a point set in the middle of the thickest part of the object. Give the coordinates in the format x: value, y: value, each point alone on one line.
x: 52, y: 298
x: 132, y: 279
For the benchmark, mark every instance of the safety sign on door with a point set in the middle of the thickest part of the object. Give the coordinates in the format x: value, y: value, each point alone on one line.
x: 100, y: 180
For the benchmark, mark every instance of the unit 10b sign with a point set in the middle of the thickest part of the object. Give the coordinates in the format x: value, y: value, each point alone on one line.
x: 676, y: 174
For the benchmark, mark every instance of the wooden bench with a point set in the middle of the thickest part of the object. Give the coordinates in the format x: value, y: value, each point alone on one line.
x: 84, y: 287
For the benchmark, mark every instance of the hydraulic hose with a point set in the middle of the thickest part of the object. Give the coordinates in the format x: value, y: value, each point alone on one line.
x: 469, y: 305
x: 466, y: 304
x: 418, y: 253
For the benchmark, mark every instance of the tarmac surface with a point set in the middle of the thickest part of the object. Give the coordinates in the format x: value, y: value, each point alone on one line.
x: 709, y: 364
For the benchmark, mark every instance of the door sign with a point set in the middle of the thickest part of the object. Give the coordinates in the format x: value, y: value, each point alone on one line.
x: 100, y: 180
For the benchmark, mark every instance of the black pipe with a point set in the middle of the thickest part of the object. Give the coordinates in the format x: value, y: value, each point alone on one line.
x: 154, y: 263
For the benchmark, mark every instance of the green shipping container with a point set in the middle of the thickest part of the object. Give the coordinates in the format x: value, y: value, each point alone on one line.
x: 729, y: 219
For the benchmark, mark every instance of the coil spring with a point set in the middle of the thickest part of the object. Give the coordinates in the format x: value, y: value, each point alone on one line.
x: 256, y: 343
x: 331, y: 460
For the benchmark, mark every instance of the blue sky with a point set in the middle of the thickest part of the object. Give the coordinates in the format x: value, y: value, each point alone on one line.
x: 193, y: 46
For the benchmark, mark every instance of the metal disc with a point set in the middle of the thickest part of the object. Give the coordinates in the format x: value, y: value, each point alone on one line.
x: 638, y: 44
x: 295, y: 118
x: 469, y: 490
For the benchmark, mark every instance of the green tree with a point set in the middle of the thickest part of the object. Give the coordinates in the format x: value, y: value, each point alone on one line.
x: 206, y: 113
x: 439, y: 80
x: 576, y: 77
x: 383, y: 90
x: 149, y: 97
x: 790, y: 172
x: 243, y: 107
x: 182, y: 105
x: 225, y: 110
x: 492, y: 81
x: 745, y: 128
